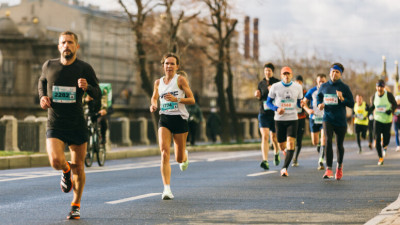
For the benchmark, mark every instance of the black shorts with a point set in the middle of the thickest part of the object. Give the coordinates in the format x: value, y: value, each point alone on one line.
x: 315, y: 127
x: 286, y: 129
x: 266, y: 121
x: 173, y: 123
x: 70, y: 137
x: 360, y: 128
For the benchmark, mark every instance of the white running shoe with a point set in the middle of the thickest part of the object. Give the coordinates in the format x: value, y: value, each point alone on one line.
x: 398, y: 149
x: 167, y: 195
x: 183, y: 166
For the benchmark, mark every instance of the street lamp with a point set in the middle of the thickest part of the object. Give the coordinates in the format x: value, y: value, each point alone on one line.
x: 1, y: 58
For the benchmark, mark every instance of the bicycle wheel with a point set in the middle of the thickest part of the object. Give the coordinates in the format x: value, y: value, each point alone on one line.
x: 89, y: 155
x: 101, y: 155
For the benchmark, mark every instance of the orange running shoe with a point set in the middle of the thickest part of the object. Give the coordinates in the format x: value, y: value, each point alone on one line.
x: 339, y: 173
x: 380, y: 162
x: 284, y: 172
x: 328, y: 174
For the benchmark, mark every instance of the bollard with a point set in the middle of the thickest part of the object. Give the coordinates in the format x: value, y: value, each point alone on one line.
x: 255, y: 131
x: 42, y: 123
x: 143, y: 131
x: 11, y: 135
x: 246, y: 129
x: 126, y: 141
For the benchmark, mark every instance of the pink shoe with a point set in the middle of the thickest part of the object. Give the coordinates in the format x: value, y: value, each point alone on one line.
x: 328, y: 174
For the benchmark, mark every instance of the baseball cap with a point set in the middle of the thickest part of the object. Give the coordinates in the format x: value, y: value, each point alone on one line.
x: 380, y: 83
x: 286, y: 69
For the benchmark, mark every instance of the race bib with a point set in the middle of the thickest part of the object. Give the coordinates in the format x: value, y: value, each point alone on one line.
x: 265, y: 106
x: 360, y: 116
x: 167, y: 106
x: 318, y: 119
x: 288, y: 104
x: 371, y: 117
x: 331, y: 99
x: 62, y: 94
x: 397, y: 112
x: 380, y: 108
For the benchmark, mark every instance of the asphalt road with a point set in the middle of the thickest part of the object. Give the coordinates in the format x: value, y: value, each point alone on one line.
x: 217, y: 188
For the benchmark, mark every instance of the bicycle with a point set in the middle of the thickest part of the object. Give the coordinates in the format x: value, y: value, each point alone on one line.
x: 94, y: 145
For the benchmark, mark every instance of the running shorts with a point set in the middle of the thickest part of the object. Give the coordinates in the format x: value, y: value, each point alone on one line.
x: 286, y: 128
x: 266, y: 121
x: 173, y: 123
x: 314, y: 127
x: 70, y: 137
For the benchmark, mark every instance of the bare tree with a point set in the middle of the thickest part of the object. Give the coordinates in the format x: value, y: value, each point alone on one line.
x: 223, y: 27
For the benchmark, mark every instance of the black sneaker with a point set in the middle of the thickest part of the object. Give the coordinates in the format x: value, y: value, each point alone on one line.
x: 75, y: 213
x: 66, y: 180
x: 264, y: 165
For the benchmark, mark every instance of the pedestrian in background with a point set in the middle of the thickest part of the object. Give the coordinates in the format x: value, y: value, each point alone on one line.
x: 213, y: 124
x: 195, y: 118
x: 333, y: 97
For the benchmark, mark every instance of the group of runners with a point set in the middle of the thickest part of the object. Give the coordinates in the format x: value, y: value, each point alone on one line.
x: 284, y: 103
x: 282, y: 115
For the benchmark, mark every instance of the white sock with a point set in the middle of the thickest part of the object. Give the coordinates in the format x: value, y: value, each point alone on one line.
x: 167, y: 188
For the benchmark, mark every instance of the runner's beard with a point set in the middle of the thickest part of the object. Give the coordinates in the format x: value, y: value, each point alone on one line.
x: 68, y: 55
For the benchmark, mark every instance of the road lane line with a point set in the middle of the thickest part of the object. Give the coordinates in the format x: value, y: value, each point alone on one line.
x: 133, y: 198
x: 262, y: 173
x: 233, y: 156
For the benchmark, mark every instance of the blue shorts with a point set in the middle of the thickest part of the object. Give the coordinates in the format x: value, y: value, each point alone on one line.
x: 174, y: 123
x: 315, y: 127
x: 70, y: 137
x: 266, y: 121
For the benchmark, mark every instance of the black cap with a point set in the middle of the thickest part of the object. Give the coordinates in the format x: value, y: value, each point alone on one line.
x: 299, y: 77
x: 380, y: 83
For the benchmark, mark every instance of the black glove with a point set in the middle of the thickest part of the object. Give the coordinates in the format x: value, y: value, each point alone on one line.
x: 388, y: 112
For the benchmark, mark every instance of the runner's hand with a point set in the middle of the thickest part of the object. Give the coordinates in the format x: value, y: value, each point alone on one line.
x: 281, y: 111
x: 82, y: 83
x: 153, y: 108
x: 45, y: 102
x: 321, y: 106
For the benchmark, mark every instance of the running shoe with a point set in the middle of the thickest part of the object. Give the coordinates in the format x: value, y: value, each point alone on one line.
x: 384, y: 152
x: 295, y: 163
x: 284, y: 172
x: 66, y: 180
x: 380, y: 162
x: 398, y: 149
x: 339, y: 173
x: 328, y: 174
x: 264, y: 164
x: 183, y: 166
x: 321, y: 166
x: 167, y: 195
x: 359, y: 151
x: 277, y: 159
x: 75, y: 213
x: 370, y: 146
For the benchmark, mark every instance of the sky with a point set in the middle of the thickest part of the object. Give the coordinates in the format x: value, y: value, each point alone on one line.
x: 359, y: 31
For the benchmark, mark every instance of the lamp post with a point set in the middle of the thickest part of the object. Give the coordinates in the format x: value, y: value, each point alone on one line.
x: 1, y: 59
x: 396, y: 78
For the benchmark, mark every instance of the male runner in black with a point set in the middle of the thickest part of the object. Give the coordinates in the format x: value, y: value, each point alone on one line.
x: 61, y: 87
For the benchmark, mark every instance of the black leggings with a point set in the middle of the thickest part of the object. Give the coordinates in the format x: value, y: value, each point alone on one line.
x: 340, y: 132
x: 361, y: 130
x: 384, y: 129
x: 299, y: 139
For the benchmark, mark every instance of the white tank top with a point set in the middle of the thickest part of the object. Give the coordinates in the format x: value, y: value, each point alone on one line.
x: 172, y: 108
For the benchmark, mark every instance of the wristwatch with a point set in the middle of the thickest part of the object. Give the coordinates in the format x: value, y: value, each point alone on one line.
x: 179, y: 99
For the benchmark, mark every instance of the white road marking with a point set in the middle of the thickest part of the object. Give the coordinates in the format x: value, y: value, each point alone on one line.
x: 133, y: 198
x: 234, y: 155
x: 262, y: 173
